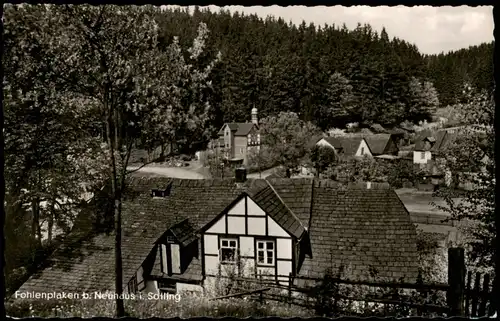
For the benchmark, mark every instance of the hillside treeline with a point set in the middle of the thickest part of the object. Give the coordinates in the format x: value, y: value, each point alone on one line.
x: 329, y: 75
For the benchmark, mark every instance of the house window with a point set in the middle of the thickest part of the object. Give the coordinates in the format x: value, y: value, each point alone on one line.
x: 170, y: 239
x: 132, y: 285
x: 362, y: 150
x: 164, y: 262
x: 228, y: 250
x: 422, y: 155
x: 265, y: 253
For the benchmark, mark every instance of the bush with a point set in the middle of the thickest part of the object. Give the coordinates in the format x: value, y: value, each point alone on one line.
x: 403, y: 172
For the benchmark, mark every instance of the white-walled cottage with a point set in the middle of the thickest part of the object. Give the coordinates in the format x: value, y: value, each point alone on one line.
x: 180, y: 235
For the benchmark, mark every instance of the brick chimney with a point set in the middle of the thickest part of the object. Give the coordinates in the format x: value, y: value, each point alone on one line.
x: 240, y: 174
x: 255, y: 120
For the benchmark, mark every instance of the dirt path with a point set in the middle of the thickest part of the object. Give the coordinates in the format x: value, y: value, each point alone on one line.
x: 192, y: 172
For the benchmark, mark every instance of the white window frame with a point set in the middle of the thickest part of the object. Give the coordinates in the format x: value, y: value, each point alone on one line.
x: 265, y: 251
x: 222, y: 245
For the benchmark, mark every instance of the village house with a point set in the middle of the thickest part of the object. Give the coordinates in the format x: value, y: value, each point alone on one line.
x: 382, y: 146
x: 180, y: 235
x: 239, y: 139
x: 355, y: 146
x: 429, y: 143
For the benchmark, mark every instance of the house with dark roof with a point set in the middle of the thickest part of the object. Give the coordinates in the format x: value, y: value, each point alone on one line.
x: 180, y: 235
x: 238, y: 139
x: 382, y: 144
x: 347, y: 146
x: 429, y: 143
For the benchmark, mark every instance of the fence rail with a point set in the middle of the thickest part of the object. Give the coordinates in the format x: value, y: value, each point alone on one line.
x: 461, y: 298
x: 477, y: 298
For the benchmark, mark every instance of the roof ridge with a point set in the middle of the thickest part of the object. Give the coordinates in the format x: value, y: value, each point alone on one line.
x: 288, y: 208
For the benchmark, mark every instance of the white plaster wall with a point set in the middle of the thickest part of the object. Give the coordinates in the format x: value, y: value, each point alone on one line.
x: 238, y: 208
x: 248, y: 267
x: 273, y: 229
x: 366, y: 150
x: 284, y: 248
x: 211, y: 264
x: 151, y: 287
x: 417, y: 157
x: 253, y: 208
x: 284, y: 267
x: 192, y: 288
x: 257, y: 225
x: 211, y: 245
x: 228, y: 269
x: 265, y: 271
x: 236, y: 225
x: 247, y: 246
x: 219, y: 226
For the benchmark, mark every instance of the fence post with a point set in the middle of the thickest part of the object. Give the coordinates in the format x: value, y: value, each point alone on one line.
x: 484, y: 296
x: 290, y: 289
x: 456, y: 281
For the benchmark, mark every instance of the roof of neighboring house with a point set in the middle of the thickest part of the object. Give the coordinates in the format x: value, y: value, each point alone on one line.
x: 366, y: 228
x: 378, y: 143
x: 184, y: 232
x: 439, y: 140
x: 240, y: 129
x: 314, y: 140
x: 378, y: 128
x: 348, y: 145
x: 390, y: 157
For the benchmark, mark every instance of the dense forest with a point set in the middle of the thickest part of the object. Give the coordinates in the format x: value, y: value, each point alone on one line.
x: 329, y: 75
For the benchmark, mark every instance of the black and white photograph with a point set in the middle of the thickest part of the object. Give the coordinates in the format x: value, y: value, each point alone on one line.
x: 249, y: 161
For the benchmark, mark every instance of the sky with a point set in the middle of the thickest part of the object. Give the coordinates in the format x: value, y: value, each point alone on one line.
x: 432, y: 29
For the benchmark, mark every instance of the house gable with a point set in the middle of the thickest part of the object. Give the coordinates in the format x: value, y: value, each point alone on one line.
x: 363, y: 149
x: 246, y: 226
x: 324, y: 142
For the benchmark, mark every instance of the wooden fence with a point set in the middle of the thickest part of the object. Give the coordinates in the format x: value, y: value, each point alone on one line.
x: 477, y: 297
x: 461, y: 299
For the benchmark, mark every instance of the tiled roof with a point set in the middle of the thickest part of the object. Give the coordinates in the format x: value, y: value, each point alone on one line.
x: 271, y: 203
x: 366, y: 227
x: 361, y: 229
x: 314, y: 140
x: 184, y: 232
x: 378, y: 143
x: 241, y: 129
x: 439, y: 140
x: 349, y: 145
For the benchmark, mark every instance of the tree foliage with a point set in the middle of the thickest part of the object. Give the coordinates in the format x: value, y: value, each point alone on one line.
x: 322, y: 157
x: 81, y: 74
x: 287, y: 138
x: 471, y: 159
x: 324, y: 73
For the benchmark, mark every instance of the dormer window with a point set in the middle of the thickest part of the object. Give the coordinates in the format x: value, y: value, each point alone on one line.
x: 161, y: 192
x: 170, y: 258
x: 157, y: 193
